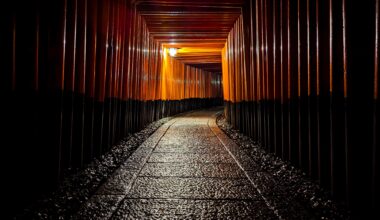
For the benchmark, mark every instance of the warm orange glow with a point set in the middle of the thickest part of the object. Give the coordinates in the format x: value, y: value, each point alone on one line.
x: 181, y: 81
x: 233, y: 66
x: 200, y: 50
x: 226, y: 82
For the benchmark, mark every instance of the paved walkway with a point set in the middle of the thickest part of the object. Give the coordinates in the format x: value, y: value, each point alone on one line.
x: 188, y: 169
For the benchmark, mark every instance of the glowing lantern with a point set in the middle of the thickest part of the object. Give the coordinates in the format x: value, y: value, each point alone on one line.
x: 172, y: 51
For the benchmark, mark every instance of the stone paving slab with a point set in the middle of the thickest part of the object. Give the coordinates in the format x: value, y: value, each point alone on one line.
x: 192, y: 188
x: 192, y: 209
x: 222, y: 170
x: 186, y: 143
x: 187, y: 148
x: 201, y: 131
x: 217, y: 157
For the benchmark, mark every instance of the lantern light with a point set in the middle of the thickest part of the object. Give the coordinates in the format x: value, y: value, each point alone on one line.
x: 172, y: 51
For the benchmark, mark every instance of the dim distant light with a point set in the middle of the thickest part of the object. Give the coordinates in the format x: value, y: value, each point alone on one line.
x: 172, y: 51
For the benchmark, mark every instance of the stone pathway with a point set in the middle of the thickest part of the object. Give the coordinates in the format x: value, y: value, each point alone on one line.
x: 188, y: 169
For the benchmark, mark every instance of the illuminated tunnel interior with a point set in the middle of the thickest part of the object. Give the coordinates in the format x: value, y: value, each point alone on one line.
x: 300, y: 78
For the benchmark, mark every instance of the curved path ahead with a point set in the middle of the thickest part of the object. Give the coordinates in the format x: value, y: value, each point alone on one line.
x: 188, y: 169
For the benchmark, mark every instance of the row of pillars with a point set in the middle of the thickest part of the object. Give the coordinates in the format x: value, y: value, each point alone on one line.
x: 301, y: 78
